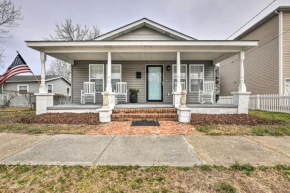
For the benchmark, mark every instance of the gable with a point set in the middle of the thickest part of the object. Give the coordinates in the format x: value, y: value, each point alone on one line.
x: 144, y: 29
x: 144, y: 33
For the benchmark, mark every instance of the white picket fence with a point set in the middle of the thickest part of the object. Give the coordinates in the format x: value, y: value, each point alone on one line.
x: 266, y: 102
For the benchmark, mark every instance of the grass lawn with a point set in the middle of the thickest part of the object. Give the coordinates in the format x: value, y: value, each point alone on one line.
x: 237, y: 178
x: 10, y: 115
x: 275, y: 116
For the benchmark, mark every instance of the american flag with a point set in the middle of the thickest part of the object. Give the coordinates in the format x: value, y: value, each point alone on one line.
x: 18, y: 66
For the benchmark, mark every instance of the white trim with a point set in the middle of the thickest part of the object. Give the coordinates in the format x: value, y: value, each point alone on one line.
x: 190, y: 65
x: 186, y: 82
x: 166, y: 29
x: 67, y: 87
x: 281, y: 52
x: 141, y: 43
x: 18, y: 85
x: 97, y: 78
x: 51, y: 88
x: 146, y: 80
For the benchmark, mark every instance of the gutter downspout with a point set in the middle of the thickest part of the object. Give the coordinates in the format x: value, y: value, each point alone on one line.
x: 280, y: 51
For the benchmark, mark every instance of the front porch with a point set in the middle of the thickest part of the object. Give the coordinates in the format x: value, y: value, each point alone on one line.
x: 94, y: 108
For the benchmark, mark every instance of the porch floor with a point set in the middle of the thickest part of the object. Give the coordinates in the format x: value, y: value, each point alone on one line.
x: 72, y: 106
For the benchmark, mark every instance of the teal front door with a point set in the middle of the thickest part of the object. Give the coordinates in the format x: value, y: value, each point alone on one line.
x: 154, y: 83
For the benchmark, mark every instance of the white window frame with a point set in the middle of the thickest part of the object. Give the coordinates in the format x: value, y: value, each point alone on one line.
x: 51, y: 88
x: 98, y: 78
x: 186, y: 82
x: 69, y: 91
x: 190, y: 66
x: 120, y: 73
x: 18, y: 86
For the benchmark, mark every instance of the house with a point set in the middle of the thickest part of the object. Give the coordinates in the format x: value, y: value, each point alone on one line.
x: 267, y: 66
x: 18, y: 87
x: 157, y: 60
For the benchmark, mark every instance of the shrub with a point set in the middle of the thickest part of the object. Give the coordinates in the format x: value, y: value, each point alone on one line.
x: 133, y: 91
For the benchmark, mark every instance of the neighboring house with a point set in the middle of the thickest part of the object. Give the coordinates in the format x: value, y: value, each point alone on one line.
x: 155, y: 59
x: 267, y: 66
x: 28, y: 84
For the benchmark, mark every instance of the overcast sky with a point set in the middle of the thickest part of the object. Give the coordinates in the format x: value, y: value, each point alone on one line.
x: 201, y: 19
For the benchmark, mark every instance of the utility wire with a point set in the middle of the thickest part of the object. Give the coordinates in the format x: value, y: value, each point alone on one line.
x: 251, y: 19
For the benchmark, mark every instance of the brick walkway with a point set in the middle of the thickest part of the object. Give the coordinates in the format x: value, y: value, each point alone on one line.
x: 124, y: 128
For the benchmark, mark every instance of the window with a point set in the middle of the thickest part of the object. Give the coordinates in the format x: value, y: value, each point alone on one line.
x: 22, y: 89
x: 96, y: 73
x: 116, y: 75
x: 67, y: 91
x: 183, y: 76
x: 196, y: 77
x: 50, y: 88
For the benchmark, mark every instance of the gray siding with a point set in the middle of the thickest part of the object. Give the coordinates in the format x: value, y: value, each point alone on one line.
x: 59, y: 86
x: 129, y: 68
x: 261, y: 63
x: 144, y: 33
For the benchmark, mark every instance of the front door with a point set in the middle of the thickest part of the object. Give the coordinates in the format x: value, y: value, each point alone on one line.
x: 154, y: 83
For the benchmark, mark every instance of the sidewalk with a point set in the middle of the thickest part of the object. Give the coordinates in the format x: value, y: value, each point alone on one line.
x: 143, y: 150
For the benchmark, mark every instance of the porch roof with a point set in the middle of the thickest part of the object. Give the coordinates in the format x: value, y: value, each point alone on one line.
x: 69, y: 51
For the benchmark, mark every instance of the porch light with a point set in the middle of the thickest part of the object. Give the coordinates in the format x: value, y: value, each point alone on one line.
x: 168, y: 68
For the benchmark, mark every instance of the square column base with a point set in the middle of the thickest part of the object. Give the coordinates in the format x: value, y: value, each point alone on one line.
x: 242, y: 100
x: 105, y: 115
x: 184, y: 115
x: 176, y: 99
x: 43, y: 100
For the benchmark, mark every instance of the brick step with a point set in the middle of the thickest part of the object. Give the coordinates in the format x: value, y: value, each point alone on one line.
x: 144, y: 110
x: 145, y: 116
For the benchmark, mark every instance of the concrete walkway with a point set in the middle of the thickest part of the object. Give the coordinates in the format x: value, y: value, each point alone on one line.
x: 143, y: 150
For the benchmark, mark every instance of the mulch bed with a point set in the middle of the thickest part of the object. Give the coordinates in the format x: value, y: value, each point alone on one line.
x: 63, y: 118
x: 229, y: 119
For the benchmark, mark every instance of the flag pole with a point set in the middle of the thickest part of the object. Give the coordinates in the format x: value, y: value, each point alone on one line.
x: 32, y: 73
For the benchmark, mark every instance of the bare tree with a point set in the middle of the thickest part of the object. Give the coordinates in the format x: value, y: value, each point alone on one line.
x: 58, y: 67
x: 68, y: 31
x: 9, y: 18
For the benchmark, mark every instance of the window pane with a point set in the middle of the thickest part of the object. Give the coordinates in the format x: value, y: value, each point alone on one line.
x: 174, y: 71
x: 99, y: 84
x: 196, y: 72
x: 49, y: 88
x: 196, y: 85
x: 183, y: 84
x: 22, y: 89
x: 67, y: 91
x: 114, y: 84
x: 183, y: 72
x: 116, y: 72
x: 96, y: 71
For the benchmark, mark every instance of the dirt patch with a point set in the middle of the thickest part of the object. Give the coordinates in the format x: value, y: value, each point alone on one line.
x: 235, y: 119
x: 63, y: 118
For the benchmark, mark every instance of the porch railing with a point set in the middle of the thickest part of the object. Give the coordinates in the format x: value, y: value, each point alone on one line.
x: 266, y: 102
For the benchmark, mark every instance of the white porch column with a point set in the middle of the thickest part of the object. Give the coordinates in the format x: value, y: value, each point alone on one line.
x: 178, y: 87
x: 177, y: 93
x: 109, y: 73
x: 43, y: 99
x: 241, y: 98
x: 42, y: 88
x: 242, y: 86
x: 112, y: 95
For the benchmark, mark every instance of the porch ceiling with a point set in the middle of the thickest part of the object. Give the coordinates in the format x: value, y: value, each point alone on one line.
x: 141, y: 50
